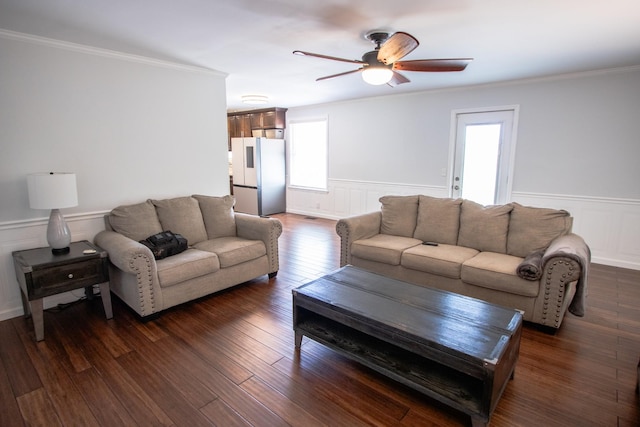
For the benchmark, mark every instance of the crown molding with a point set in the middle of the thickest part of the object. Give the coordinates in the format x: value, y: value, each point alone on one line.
x: 106, y: 53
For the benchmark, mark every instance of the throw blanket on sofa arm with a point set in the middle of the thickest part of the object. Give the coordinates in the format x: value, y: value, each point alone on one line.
x: 573, y: 246
x: 531, y: 267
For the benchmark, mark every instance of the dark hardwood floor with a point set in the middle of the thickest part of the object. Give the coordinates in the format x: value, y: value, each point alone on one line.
x: 229, y: 360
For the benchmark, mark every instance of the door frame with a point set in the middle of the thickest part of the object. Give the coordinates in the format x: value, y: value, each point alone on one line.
x: 515, y: 108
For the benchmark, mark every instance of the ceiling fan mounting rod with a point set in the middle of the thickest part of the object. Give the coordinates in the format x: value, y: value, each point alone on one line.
x: 377, y: 37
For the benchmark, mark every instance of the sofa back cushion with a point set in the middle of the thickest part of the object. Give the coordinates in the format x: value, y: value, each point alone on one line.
x: 182, y: 215
x: 399, y: 215
x: 484, y: 228
x: 532, y: 228
x: 136, y: 222
x: 438, y: 220
x: 219, y: 219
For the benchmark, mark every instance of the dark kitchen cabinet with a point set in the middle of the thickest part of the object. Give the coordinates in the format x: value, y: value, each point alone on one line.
x: 274, y: 119
x: 241, y: 124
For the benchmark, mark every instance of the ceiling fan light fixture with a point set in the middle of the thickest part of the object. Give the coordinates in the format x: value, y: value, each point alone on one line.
x: 381, y: 65
x: 254, y: 99
x: 377, y: 75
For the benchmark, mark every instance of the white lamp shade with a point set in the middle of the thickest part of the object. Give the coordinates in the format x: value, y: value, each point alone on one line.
x: 52, y: 190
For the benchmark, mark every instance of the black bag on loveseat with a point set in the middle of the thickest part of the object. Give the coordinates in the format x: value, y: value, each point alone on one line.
x: 165, y: 244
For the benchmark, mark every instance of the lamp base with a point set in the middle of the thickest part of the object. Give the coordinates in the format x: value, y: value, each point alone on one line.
x: 58, y: 234
x: 60, y: 251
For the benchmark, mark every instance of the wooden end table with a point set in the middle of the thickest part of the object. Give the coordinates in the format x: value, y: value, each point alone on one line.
x: 40, y: 274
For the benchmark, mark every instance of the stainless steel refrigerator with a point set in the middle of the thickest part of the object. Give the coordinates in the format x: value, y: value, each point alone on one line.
x: 258, y: 166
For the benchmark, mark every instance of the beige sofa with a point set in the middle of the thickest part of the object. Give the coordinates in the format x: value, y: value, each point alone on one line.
x: 225, y: 249
x: 521, y: 257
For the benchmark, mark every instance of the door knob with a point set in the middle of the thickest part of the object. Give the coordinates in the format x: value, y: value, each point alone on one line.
x: 455, y: 187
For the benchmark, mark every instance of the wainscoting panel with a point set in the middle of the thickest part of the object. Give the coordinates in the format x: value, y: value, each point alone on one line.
x: 347, y: 198
x: 631, y: 224
x: 20, y: 235
x: 611, y: 227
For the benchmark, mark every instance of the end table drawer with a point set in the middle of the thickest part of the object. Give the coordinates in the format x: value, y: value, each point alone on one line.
x: 55, y: 279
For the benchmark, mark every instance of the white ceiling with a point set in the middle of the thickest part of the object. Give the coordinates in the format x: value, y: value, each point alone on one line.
x: 252, y: 40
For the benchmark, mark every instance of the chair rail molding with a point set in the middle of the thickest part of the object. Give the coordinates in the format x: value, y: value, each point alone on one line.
x: 610, y: 226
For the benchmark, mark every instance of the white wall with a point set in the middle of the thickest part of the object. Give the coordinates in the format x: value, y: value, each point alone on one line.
x: 577, y: 149
x: 131, y: 128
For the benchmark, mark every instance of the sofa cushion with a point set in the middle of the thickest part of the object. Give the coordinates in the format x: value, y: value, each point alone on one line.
x: 136, y: 222
x: 383, y: 248
x: 498, y: 271
x: 399, y: 215
x: 484, y: 227
x: 532, y: 228
x: 234, y: 250
x: 186, y: 265
x: 218, y: 215
x: 438, y: 220
x: 443, y: 260
x: 182, y: 215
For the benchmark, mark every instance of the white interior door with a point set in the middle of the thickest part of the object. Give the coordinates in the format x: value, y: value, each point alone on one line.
x: 483, y: 153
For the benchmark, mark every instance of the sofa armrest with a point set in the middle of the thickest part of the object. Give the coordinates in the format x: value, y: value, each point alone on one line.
x: 564, y: 280
x: 122, y: 250
x: 354, y: 228
x: 134, y: 260
x: 568, y: 244
x: 258, y: 228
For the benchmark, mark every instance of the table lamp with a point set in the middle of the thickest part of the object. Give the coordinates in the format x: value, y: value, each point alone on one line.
x: 54, y: 190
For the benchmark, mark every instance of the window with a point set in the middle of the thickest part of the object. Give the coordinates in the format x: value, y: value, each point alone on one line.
x: 482, y: 154
x: 308, y: 154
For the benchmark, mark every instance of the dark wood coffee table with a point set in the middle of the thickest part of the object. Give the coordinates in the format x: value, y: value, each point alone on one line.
x: 458, y: 350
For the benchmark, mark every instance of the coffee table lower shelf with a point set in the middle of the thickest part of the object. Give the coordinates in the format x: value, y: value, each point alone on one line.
x: 453, y: 388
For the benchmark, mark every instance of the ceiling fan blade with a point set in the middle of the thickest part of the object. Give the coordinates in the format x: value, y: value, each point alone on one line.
x: 397, y: 79
x: 333, y: 58
x: 433, y: 65
x: 339, y: 74
x: 396, y: 47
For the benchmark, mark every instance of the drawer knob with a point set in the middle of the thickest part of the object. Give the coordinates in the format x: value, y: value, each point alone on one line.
x: 70, y: 276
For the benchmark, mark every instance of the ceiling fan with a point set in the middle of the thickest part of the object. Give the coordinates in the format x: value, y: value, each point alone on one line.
x: 380, y: 66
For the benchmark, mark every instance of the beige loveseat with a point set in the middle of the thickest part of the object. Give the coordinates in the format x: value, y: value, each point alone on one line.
x: 521, y: 257
x: 225, y: 249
